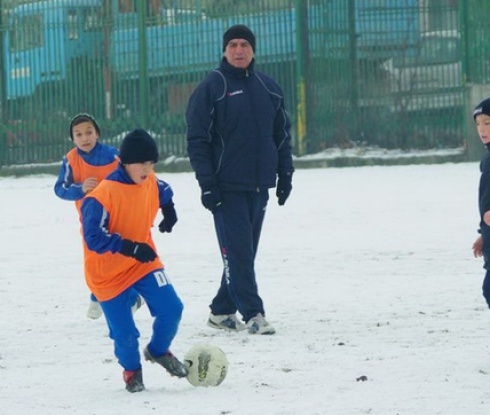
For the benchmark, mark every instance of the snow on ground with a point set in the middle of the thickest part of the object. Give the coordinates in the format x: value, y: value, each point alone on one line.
x: 365, y: 271
x: 362, y: 152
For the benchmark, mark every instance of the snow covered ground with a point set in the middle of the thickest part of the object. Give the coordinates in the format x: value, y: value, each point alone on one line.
x: 365, y: 271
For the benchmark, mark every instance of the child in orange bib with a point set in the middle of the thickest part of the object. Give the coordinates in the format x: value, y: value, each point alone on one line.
x: 117, y: 217
x: 82, y: 169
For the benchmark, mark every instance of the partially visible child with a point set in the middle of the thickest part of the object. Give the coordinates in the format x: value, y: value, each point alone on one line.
x: 81, y: 170
x: 117, y: 217
x: 481, y: 247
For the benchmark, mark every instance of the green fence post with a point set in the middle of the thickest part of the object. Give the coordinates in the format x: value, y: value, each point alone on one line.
x: 108, y: 8
x: 354, y: 71
x: 474, y: 149
x: 3, y: 92
x: 301, y: 30
x: 144, y: 89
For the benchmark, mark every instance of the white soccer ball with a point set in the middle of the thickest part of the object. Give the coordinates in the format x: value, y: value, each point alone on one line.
x: 207, y: 365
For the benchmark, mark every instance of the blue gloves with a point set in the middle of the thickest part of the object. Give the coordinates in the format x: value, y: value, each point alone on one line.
x: 284, y: 187
x: 140, y: 251
x: 169, y: 217
x: 211, y: 197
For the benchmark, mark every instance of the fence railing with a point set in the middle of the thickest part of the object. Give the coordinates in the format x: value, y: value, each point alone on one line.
x: 353, y: 72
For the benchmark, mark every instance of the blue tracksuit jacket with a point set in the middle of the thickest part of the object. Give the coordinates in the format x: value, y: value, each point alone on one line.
x: 240, y: 138
x: 65, y: 187
x: 96, y: 218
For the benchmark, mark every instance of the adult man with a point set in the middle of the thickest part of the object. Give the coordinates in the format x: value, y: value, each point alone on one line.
x: 239, y: 143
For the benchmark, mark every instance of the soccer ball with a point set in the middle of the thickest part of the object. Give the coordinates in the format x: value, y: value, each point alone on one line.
x: 207, y: 365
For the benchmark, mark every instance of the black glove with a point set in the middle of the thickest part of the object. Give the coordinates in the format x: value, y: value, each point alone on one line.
x: 211, y: 197
x: 140, y: 251
x: 284, y: 187
x: 169, y: 217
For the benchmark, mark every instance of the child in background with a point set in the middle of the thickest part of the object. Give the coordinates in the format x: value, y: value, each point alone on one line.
x: 117, y: 217
x: 82, y: 169
x: 481, y: 247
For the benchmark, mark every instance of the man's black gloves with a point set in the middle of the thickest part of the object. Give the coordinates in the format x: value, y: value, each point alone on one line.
x: 140, y: 251
x: 169, y: 217
x: 210, y: 197
x: 284, y: 187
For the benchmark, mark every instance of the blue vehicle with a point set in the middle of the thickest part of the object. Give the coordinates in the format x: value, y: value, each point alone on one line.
x: 47, y: 40
x: 55, y: 46
x: 381, y: 31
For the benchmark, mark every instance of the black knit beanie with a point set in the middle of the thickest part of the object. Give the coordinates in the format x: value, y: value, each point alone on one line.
x: 83, y: 117
x: 482, y: 108
x: 138, y: 147
x: 239, y: 31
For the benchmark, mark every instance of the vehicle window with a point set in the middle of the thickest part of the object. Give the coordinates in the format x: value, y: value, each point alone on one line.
x: 126, y: 6
x: 73, y: 25
x: 26, y: 32
x: 432, y: 51
x: 439, y: 51
x: 92, y: 20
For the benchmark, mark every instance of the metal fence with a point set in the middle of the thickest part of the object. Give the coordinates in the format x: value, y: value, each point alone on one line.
x: 385, y: 73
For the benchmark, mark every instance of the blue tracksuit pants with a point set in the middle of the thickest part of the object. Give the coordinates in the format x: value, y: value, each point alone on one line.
x: 486, y: 287
x: 164, y: 305
x: 133, y: 297
x: 486, y: 280
x: 238, y: 223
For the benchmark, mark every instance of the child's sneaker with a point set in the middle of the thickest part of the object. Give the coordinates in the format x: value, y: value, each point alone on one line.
x: 94, y: 310
x: 259, y: 325
x: 171, y: 364
x: 228, y: 322
x: 134, y: 380
x: 137, y: 305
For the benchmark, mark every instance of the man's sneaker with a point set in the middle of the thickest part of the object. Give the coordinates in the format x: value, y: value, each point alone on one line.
x: 134, y: 380
x: 259, y: 325
x: 94, y: 310
x: 228, y: 322
x: 171, y: 364
x: 137, y: 305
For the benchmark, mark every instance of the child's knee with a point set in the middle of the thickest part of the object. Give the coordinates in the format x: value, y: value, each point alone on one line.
x: 176, y: 308
x: 168, y: 305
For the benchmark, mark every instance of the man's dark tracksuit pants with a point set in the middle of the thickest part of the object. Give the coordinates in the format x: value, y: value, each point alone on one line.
x: 238, y: 223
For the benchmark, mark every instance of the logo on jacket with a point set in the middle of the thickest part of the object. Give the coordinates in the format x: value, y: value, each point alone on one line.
x: 239, y: 91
